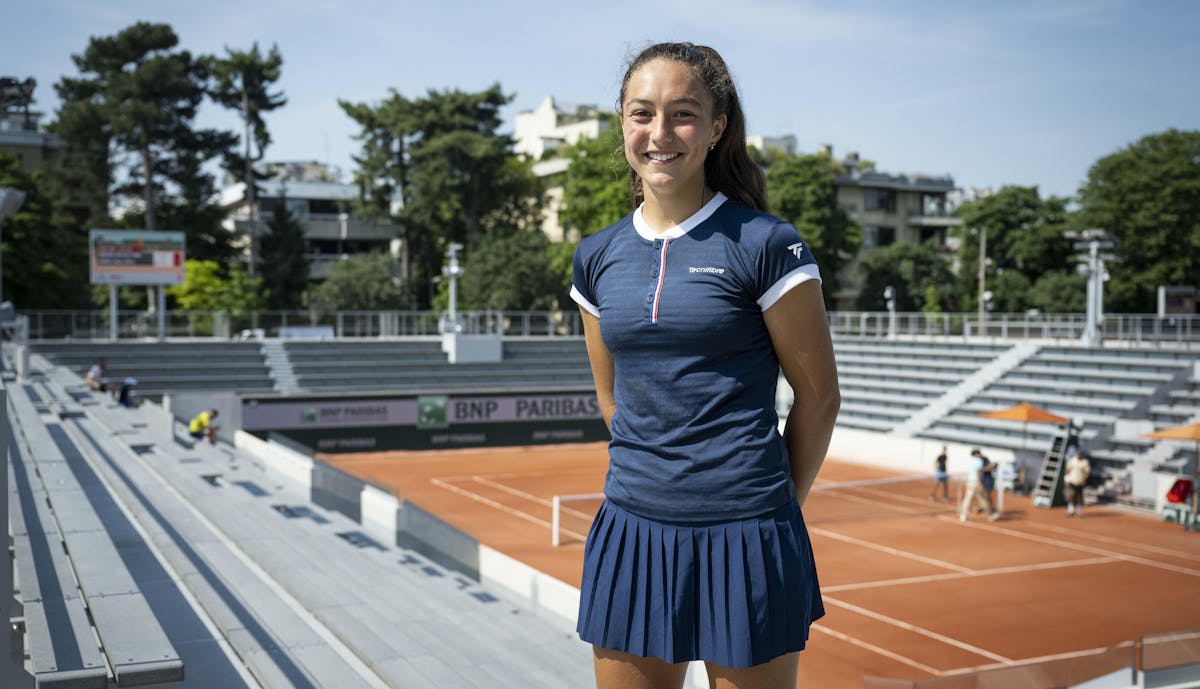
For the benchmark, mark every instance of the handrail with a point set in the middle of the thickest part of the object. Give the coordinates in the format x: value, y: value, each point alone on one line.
x: 999, y: 328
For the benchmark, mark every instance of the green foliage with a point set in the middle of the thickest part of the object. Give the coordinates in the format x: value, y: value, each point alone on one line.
x: 801, y: 190
x: 596, y: 185
x: 1059, y: 292
x: 1147, y: 196
x: 362, y: 282
x: 206, y: 287
x: 1024, y: 242
x: 38, y: 268
x: 919, y: 275
x: 509, y: 273
x: 284, y: 268
x: 456, y: 175
x: 133, y: 107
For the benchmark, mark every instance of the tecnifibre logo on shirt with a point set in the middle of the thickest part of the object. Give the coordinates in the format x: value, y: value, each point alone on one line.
x: 797, y: 249
x: 709, y: 269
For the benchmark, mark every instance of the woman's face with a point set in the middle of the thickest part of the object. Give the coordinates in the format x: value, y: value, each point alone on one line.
x: 668, y: 124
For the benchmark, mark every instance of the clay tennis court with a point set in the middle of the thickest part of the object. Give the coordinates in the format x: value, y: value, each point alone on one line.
x: 910, y: 591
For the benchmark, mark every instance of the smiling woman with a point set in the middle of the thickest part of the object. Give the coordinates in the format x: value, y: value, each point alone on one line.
x: 692, y: 305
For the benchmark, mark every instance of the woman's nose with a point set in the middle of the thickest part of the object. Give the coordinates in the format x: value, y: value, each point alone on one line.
x: 661, y: 129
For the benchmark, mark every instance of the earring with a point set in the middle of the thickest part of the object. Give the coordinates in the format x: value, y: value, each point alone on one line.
x: 712, y: 146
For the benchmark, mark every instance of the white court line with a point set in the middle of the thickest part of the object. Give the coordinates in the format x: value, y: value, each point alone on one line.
x: 873, y: 503
x: 918, y: 630
x: 1076, y: 546
x: 1032, y: 661
x: 1115, y: 541
x: 503, y: 508
x: 892, y: 551
x: 531, y: 497
x: 1016, y: 569
x: 875, y: 649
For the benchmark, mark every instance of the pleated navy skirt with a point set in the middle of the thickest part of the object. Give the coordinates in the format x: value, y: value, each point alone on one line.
x: 735, y: 593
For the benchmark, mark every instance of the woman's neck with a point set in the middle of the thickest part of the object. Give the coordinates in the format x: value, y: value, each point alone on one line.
x: 662, y: 212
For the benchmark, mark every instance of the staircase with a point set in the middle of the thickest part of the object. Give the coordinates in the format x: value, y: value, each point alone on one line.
x: 280, y: 366
x: 1048, y: 492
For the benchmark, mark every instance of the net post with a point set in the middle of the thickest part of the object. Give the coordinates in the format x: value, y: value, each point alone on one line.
x: 554, y: 521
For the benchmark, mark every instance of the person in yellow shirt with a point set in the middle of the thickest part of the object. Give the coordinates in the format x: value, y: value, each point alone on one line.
x: 201, y: 426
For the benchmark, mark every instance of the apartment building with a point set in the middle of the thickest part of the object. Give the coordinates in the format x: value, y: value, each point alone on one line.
x: 891, y: 208
x: 321, y: 204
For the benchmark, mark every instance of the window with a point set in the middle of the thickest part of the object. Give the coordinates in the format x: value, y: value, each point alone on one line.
x: 880, y: 200
x: 878, y: 235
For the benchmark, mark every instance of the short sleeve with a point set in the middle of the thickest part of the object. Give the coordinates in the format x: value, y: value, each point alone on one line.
x: 785, y: 261
x: 581, y: 284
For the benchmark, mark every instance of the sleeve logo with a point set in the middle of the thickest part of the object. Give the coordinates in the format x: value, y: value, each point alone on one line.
x: 797, y: 249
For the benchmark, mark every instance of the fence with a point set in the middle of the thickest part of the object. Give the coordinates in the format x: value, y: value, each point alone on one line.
x: 1174, y: 654
x: 94, y: 324
x: 1138, y: 329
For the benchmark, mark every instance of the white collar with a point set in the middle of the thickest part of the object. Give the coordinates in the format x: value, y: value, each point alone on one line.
x: 646, y: 232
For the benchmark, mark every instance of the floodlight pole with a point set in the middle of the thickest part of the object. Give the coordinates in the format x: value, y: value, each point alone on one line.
x: 453, y: 271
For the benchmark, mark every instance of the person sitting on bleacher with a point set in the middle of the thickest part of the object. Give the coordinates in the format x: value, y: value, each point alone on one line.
x: 201, y: 426
x: 95, y: 378
x: 127, y: 396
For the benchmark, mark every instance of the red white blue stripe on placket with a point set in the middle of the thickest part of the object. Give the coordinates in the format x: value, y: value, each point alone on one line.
x: 662, y: 274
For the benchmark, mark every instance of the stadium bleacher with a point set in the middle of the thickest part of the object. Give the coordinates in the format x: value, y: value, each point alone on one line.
x: 265, y: 568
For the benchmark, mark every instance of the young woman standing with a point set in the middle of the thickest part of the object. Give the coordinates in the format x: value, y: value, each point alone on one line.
x: 692, y: 304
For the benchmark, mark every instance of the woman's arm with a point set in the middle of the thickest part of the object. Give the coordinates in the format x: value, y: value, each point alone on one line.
x: 800, y: 336
x: 602, y: 366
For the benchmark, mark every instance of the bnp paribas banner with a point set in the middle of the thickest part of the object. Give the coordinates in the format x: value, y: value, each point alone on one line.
x: 330, y: 424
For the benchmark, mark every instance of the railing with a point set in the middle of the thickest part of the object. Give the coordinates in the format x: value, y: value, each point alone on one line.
x: 1126, y: 329
x: 131, y: 325
x: 1136, y: 329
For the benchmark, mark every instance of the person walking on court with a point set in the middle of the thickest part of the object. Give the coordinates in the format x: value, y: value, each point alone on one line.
x: 201, y: 426
x: 692, y: 304
x: 976, y: 491
x: 1077, y: 471
x: 940, y: 477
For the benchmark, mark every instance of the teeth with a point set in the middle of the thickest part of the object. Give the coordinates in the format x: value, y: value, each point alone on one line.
x: 662, y: 157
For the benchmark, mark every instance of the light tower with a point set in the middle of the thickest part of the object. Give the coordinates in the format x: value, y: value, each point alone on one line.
x: 1092, y: 264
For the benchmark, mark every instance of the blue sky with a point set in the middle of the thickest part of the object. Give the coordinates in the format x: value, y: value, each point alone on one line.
x: 992, y: 93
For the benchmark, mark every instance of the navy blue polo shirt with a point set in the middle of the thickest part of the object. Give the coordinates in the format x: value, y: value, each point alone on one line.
x: 695, y: 436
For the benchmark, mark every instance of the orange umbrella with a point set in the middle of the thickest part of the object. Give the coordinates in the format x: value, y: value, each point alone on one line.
x: 1024, y: 412
x: 1188, y: 431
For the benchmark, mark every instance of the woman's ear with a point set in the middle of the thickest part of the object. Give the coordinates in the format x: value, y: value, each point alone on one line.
x: 719, y: 128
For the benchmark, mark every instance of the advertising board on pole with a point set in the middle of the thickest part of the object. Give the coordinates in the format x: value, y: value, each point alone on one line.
x: 135, y: 257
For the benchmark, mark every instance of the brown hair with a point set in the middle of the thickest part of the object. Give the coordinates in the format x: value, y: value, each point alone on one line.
x: 728, y: 167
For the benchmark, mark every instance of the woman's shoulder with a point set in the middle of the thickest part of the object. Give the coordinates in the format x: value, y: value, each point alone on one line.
x: 598, y: 240
x: 751, y: 224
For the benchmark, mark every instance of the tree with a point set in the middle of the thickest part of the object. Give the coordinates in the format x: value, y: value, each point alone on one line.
x: 917, y: 273
x: 801, y: 190
x: 1024, y: 242
x: 360, y: 283
x: 206, y: 288
x: 596, y: 184
x: 242, y: 82
x: 35, y: 272
x: 512, y: 272
x: 456, y: 176
x: 285, y: 268
x: 1147, y: 196
x: 140, y: 96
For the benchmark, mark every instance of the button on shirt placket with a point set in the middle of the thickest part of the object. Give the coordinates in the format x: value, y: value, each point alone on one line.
x: 657, y: 277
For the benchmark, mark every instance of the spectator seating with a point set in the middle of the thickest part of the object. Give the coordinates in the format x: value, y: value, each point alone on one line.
x: 407, y: 365
x: 79, y: 576
x: 162, y: 368
x: 1096, y: 386
x: 301, y: 594
x: 885, y: 382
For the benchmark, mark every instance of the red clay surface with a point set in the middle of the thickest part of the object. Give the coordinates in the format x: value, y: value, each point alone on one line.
x: 910, y: 592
